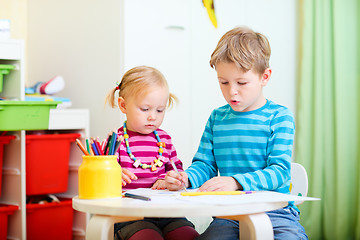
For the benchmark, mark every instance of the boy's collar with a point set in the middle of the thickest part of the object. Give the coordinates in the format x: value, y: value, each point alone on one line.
x: 252, y: 111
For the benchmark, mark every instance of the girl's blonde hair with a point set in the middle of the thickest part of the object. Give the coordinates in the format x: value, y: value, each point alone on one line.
x: 244, y: 47
x: 137, y: 82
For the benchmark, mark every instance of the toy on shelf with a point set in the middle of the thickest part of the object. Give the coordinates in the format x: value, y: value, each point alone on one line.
x: 53, y: 86
x: 43, y: 91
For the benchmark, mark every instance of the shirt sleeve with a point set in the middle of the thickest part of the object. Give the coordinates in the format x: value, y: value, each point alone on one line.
x: 203, y: 165
x: 276, y: 175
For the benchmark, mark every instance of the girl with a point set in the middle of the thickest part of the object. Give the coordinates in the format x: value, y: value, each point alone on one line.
x: 146, y: 151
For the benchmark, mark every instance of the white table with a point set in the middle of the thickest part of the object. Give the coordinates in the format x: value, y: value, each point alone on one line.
x: 253, y: 221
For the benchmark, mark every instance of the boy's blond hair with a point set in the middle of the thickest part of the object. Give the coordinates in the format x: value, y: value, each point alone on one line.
x: 244, y: 47
x: 137, y: 82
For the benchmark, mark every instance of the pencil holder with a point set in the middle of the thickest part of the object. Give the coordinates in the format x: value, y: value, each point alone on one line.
x: 100, y: 177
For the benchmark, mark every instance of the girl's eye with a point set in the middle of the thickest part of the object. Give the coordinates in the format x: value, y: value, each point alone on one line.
x: 160, y: 110
x: 223, y: 83
x: 144, y: 109
x: 242, y: 83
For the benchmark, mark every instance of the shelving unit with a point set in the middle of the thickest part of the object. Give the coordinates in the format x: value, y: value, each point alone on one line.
x: 14, y: 159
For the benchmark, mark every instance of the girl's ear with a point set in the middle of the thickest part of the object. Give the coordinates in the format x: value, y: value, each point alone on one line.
x: 122, y: 104
x: 266, y: 76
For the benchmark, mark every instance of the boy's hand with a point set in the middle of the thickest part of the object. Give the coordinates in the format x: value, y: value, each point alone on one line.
x: 174, y: 181
x: 220, y: 184
x: 159, y: 184
x: 127, y: 176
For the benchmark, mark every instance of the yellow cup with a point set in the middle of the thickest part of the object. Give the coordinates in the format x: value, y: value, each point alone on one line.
x: 100, y: 177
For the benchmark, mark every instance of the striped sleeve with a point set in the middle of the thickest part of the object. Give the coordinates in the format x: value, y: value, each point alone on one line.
x: 203, y: 166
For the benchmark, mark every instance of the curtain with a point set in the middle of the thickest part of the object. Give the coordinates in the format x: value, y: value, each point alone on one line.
x: 328, y: 118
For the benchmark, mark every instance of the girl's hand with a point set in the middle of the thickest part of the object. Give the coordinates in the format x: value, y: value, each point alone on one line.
x: 174, y: 181
x: 220, y: 184
x: 127, y: 176
x: 159, y: 184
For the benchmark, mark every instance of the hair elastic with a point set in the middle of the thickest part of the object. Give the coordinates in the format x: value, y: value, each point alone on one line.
x: 118, y: 85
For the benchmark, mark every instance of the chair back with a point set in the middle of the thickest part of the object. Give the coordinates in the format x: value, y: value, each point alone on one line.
x: 299, y: 181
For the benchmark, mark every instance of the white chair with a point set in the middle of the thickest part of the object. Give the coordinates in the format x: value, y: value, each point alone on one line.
x: 299, y: 181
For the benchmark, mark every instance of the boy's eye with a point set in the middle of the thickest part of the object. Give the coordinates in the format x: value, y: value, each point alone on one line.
x: 144, y: 109
x: 223, y: 83
x: 160, y: 110
x: 242, y: 83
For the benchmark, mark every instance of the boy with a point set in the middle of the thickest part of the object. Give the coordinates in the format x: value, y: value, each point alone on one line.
x: 248, y: 141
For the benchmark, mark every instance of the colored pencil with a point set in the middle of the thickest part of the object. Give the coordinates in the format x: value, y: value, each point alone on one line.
x: 176, y: 170
x: 91, y: 150
x: 81, y: 147
x: 87, y: 146
x: 118, y: 142
x: 93, y: 145
x: 134, y: 196
x: 112, y: 144
x: 107, y: 143
x: 108, y: 146
x: 98, y: 148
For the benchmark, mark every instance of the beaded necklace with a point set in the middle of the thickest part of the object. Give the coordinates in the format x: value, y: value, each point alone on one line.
x: 158, y: 161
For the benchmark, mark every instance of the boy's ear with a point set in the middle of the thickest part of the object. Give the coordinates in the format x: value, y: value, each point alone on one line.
x: 266, y: 76
x: 122, y: 104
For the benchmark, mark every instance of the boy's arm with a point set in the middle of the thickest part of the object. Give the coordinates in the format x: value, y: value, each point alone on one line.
x: 276, y: 176
x: 203, y: 166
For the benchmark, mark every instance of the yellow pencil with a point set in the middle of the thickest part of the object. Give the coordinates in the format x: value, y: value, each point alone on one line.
x: 212, y: 193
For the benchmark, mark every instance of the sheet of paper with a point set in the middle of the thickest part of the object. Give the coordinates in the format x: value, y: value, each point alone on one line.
x: 159, y: 196
x: 174, y: 197
x: 256, y: 197
x: 150, y: 192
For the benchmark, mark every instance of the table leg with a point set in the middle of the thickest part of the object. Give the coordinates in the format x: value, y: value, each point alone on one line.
x: 254, y: 226
x: 101, y: 227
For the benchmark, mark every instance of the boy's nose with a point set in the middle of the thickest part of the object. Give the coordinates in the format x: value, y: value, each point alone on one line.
x: 233, y: 91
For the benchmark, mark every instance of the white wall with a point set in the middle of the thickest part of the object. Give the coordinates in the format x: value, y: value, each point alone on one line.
x: 85, y: 42
x: 276, y: 19
x: 161, y: 38
x: 178, y: 39
x: 79, y: 40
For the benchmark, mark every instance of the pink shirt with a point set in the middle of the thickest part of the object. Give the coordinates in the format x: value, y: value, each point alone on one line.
x: 145, y: 149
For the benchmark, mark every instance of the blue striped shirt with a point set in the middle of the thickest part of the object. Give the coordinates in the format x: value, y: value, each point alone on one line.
x: 253, y: 147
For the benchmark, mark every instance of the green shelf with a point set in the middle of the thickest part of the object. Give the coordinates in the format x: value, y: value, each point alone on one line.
x: 25, y: 115
x: 4, y: 69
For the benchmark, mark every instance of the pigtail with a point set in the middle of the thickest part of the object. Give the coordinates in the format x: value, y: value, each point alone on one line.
x: 172, y: 100
x: 110, y: 98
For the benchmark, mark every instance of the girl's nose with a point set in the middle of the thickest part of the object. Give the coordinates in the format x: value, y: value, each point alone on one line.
x: 151, y: 116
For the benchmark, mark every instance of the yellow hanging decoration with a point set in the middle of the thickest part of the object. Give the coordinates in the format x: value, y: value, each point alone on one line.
x: 209, y: 5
